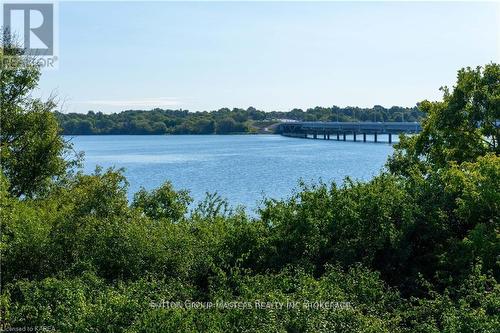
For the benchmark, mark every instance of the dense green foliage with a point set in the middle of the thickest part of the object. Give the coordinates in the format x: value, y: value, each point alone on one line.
x: 416, y: 249
x: 222, y: 121
x: 31, y: 150
x: 461, y: 128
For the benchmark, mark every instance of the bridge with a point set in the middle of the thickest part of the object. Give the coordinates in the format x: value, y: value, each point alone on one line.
x: 342, y: 129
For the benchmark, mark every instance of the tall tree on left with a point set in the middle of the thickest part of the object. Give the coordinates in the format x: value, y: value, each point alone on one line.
x: 33, y: 153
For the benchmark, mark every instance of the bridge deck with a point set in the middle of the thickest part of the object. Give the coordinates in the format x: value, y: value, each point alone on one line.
x: 349, y: 127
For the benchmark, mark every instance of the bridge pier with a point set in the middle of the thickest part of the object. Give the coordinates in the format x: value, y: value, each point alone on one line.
x: 343, y: 136
x: 324, y: 136
x: 364, y: 137
x: 315, y: 135
x: 338, y: 138
x: 375, y: 137
x: 354, y: 136
x: 390, y: 137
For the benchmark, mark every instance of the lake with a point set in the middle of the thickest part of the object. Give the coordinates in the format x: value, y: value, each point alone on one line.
x: 242, y: 168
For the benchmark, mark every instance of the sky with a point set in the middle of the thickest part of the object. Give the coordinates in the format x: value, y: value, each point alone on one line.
x: 115, y: 56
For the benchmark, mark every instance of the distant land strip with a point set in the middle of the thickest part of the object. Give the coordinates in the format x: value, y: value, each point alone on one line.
x: 222, y: 121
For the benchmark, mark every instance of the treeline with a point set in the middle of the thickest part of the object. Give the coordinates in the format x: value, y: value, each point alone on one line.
x: 416, y: 249
x: 223, y: 121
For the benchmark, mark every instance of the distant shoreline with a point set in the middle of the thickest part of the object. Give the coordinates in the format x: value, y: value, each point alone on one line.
x: 223, y: 121
x: 170, y: 134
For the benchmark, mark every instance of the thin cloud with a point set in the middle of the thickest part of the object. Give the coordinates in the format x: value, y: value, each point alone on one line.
x: 142, y: 102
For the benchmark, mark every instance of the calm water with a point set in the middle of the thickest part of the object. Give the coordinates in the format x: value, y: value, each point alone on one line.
x: 242, y: 168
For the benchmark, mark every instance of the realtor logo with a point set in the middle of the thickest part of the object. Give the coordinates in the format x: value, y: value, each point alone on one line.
x: 33, y: 24
x: 33, y: 27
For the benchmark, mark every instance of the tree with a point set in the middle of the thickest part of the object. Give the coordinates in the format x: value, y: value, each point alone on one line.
x: 32, y: 150
x: 226, y: 125
x: 451, y: 171
x: 462, y: 127
x: 163, y: 202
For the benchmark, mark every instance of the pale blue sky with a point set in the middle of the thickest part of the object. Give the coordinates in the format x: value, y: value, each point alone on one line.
x: 273, y: 56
